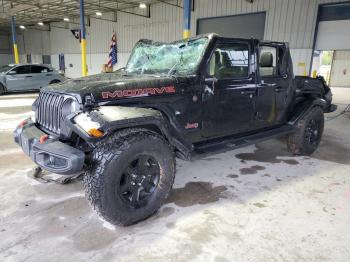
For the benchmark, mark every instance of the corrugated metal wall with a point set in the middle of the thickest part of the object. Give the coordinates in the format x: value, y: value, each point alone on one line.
x: 5, y: 48
x: 291, y: 21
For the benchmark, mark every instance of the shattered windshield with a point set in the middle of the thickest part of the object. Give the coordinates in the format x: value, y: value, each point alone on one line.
x: 180, y: 57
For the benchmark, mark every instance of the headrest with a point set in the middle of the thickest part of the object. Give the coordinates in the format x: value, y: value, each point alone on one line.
x: 266, y: 59
x: 217, y: 57
x: 226, y: 60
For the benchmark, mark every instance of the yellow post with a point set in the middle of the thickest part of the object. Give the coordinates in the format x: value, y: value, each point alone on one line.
x: 83, y: 39
x: 187, y: 18
x: 15, y: 48
x: 15, y: 52
x: 314, y: 74
x: 83, y: 57
x: 186, y: 34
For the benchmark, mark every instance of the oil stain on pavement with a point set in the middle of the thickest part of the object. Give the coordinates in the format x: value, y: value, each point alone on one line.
x: 196, y: 193
x: 267, y: 155
x: 251, y: 170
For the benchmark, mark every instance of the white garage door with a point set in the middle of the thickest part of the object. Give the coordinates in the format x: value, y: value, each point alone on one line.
x: 340, y: 75
x: 333, y: 35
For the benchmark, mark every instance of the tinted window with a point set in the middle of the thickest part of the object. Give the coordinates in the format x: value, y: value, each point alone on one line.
x: 21, y: 70
x: 39, y: 69
x: 230, y: 61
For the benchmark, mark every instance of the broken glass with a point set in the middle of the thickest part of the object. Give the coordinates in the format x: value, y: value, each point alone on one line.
x: 181, y: 58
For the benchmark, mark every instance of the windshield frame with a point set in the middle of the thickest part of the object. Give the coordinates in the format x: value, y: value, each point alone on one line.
x: 159, y: 43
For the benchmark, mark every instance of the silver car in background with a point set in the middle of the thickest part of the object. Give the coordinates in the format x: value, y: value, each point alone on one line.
x: 23, y: 77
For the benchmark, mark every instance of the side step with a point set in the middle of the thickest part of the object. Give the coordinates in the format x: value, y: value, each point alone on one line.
x: 233, y: 143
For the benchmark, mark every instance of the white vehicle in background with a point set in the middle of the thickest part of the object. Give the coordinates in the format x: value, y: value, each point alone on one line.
x: 25, y: 77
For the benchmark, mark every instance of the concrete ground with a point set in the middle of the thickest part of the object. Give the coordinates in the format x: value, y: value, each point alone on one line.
x: 252, y: 204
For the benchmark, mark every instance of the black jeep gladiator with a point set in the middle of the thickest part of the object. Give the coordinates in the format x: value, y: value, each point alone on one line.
x: 124, y: 129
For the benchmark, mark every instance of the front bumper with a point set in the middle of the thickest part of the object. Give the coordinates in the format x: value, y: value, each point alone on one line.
x: 52, y: 155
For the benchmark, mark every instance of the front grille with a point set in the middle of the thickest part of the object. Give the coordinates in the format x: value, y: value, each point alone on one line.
x: 48, y: 111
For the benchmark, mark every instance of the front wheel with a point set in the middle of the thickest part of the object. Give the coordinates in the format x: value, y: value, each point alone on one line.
x: 309, y: 133
x: 2, y: 89
x: 130, y: 176
x: 55, y: 81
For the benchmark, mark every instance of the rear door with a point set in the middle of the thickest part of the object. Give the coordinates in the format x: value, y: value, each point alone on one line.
x: 229, y: 89
x: 42, y: 76
x: 274, y: 85
x: 19, y: 78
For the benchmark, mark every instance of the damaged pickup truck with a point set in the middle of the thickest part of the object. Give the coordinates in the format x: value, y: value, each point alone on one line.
x: 124, y: 129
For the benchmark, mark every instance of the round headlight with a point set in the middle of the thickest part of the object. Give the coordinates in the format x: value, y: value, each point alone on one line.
x: 69, y: 106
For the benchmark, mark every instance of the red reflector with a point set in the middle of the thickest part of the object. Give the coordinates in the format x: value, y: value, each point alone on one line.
x: 23, y: 123
x: 43, y: 138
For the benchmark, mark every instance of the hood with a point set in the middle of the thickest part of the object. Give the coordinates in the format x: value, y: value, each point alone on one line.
x: 112, y: 86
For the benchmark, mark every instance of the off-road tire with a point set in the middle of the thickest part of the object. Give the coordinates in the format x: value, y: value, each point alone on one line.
x: 110, y: 158
x: 2, y: 89
x: 298, y: 142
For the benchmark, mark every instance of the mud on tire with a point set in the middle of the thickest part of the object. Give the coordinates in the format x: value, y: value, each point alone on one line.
x: 115, y: 174
x: 309, y: 133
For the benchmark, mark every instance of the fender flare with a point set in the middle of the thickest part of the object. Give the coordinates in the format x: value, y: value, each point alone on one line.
x: 114, y: 118
x: 301, y: 109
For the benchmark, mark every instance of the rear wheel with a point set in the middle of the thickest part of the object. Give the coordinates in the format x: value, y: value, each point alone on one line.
x: 130, y: 176
x: 309, y: 133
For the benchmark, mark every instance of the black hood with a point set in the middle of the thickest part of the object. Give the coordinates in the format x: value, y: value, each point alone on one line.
x: 108, y: 86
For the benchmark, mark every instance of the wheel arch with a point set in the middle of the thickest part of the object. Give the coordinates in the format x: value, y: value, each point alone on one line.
x: 303, y: 107
x: 55, y: 81
x: 114, y: 119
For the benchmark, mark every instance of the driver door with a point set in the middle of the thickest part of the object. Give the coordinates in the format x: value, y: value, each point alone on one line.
x: 19, y: 78
x: 229, y: 89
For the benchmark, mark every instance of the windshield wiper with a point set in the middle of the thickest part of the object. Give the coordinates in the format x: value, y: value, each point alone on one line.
x: 173, y: 68
x: 178, y: 62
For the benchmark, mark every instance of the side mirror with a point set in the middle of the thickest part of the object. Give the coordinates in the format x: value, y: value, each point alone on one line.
x: 210, y: 84
x: 11, y: 72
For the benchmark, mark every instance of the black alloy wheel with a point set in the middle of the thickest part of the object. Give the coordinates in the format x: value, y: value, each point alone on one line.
x: 308, y: 134
x: 139, y: 180
x: 312, y: 133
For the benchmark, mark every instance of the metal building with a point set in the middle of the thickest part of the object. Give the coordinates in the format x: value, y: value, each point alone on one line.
x: 293, y: 21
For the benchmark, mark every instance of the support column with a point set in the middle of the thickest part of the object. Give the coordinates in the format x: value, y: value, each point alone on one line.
x: 15, y: 48
x: 83, y: 39
x: 187, y: 18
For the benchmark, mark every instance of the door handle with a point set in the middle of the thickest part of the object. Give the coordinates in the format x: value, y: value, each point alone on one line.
x: 48, y: 74
x: 29, y: 76
x: 279, y: 89
x: 248, y: 92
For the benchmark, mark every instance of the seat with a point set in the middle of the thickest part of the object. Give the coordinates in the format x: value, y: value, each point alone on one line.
x: 266, y: 64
